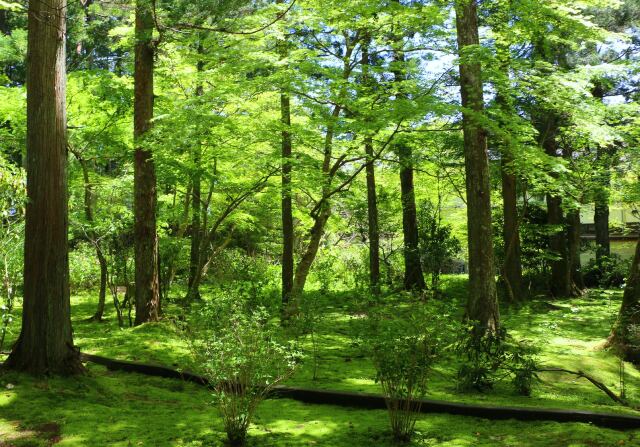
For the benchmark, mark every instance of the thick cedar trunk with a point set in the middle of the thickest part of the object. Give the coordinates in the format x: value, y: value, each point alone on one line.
x: 625, y: 336
x: 287, y: 208
x: 146, y: 238
x: 372, y: 213
x: 45, y: 345
x: 512, y: 269
x: 196, y: 198
x: 482, y: 305
x: 574, y: 245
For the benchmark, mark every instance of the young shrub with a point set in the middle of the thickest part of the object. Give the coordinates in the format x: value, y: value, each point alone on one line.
x: 494, y: 356
x: 403, y: 349
x: 438, y: 245
x: 241, y: 353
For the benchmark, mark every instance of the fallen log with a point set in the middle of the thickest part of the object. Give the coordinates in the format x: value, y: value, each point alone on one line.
x: 375, y: 401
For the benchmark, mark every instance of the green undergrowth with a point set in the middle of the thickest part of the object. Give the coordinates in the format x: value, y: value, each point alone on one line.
x: 116, y: 409
x: 106, y: 408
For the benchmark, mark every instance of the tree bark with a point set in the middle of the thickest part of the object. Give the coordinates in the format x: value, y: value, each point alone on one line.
x: 601, y: 208
x: 413, y: 275
x: 372, y: 214
x: 560, y: 268
x: 196, y: 198
x: 45, y: 344
x: 482, y: 305
x: 372, y: 199
x: 320, y: 220
x: 561, y: 283
x: 145, y: 196
x: 287, y: 208
x: 512, y: 269
x: 601, y: 196
x: 512, y: 266
x: 625, y: 336
x: 574, y: 247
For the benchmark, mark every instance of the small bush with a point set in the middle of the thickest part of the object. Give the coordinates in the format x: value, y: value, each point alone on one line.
x: 494, y: 356
x: 403, y: 349
x: 242, y: 354
x: 608, y: 272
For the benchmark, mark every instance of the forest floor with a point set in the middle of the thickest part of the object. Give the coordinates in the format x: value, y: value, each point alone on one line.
x: 106, y: 408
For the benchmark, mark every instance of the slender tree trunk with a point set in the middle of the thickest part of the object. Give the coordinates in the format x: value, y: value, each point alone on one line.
x: 93, y: 237
x: 45, y: 344
x: 372, y: 213
x: 560, y: 268
x: 413, y: 275
x: 372, y: 199
x: 320, y: 220
x: 288, y: 238
x: 574, y: 247
x: 287, y: 208
x: 625, y: 336
x: 196, y: 198
x: 304, y: 266
x: 146, y: 239
x: 561, y: 283
x: 482, y: 305
x: 601, y: 213
x: 512, y: 269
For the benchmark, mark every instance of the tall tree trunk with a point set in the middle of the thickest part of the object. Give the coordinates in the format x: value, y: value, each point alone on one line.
x: 287, y: 207
x: 196, y: 198
x: 561, y: 283
x: 372, y: 213
x: 372, y: 199
x: 482, y: 305
x: 413, y: 275
x: 625, y: 336
x: 320, y: 218
x: 45, y: 344
x: 512, y: 269
x: 288, y: 238
x: 601, y: 212
x: 146, y: 238
x: 601, y: 196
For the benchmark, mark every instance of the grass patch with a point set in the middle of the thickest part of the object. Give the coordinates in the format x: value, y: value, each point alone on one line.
x: 117, y: 409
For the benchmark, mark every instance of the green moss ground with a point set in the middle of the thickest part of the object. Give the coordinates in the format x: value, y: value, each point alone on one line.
x: 106, y: 408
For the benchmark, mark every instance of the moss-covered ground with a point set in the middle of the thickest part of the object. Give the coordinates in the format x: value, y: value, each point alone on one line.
x: 105, y: 408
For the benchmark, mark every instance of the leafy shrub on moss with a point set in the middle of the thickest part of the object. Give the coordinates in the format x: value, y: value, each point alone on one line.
x: 494, y: 356
x: 243, y: 354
